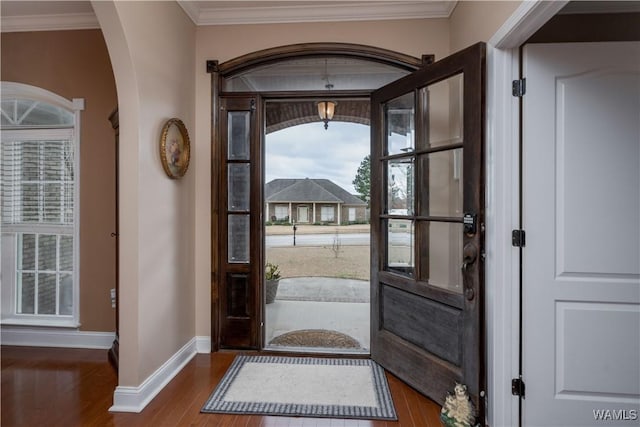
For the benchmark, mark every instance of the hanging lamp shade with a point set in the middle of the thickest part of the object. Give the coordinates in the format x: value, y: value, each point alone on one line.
x: 326, y: 109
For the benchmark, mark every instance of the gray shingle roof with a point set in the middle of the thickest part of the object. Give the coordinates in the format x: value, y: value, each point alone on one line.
x: 308, y: 190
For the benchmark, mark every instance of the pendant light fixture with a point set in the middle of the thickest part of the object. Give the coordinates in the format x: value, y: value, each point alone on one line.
x: 326, y: 109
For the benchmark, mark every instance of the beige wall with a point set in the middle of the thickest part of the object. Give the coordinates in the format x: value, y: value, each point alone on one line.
x: 474, y: 21
x: 152, y: 48
x: 225, y: 42
x: 413, y: 37
x: 75, y: 64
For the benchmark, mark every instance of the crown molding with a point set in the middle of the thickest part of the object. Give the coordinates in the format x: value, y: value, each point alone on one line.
x: 191, y: 8
x: 204, y: 13
x: 67, y: 21
x: 207, y: 13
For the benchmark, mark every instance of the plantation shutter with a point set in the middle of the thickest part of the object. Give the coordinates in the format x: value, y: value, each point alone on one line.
x: 38, y: 179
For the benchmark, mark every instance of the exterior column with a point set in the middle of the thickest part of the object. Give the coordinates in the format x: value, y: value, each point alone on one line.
x: 268, y: 218
x: 314, y: 213
x: 290, y: 213
x: 339, y: 214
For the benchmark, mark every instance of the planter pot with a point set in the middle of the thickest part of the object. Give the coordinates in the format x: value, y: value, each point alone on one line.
x: 271, y: 289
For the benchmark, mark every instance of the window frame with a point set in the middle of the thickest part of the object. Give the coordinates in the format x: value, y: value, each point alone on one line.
x: 325, y: 208
x: 280, y: 207
x: 351, y: 211
x: 9, y: 247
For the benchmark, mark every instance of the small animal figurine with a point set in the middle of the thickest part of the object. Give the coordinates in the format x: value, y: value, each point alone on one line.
x: 458, y: 410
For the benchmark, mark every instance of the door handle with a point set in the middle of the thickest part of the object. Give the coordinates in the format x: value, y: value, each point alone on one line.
x: 469, y: 255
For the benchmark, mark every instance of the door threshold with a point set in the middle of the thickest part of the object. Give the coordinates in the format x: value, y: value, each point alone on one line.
x: 324, y: 351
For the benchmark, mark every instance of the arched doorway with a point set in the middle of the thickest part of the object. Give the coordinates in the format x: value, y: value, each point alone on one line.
x: 301, y: 75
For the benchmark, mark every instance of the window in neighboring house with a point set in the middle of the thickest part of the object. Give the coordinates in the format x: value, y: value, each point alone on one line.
x: 327, y: 214
x: 39, y: 190
x: 282, y: 212
x: 352, y: 214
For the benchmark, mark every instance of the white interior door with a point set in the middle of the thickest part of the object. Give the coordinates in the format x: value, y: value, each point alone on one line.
x: 581, y: 213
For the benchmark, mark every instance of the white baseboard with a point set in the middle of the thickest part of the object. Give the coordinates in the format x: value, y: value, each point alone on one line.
x: 203, y: 344
x: 134, y: 399
x: 55, y: 337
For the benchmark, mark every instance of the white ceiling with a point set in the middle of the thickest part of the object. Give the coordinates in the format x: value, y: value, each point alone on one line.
x: 60, y: 15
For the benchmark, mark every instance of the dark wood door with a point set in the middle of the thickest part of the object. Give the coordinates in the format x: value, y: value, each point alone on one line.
x: 427, y: 226
x: 240, y: 197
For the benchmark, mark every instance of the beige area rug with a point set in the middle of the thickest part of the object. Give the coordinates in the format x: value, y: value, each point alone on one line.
x: 303, y: 387
x: 315, y: 338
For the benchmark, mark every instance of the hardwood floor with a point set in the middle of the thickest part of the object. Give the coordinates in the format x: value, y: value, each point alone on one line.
x: 74, y: 387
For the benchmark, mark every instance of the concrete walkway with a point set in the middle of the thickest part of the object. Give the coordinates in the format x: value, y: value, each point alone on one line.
x: 320, y: 303
x: 323, y: 289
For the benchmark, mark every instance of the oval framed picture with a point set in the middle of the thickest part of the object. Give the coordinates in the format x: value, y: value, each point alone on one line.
x: 175, y: 149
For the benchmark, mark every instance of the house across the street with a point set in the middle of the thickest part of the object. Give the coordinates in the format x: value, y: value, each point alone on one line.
x: 309, y: 201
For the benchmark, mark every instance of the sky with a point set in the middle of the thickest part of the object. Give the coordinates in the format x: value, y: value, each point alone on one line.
x: 310, y: 151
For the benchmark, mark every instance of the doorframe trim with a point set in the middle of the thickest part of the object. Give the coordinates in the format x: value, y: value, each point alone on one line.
x: 300, y: 50
x: 502, y: 210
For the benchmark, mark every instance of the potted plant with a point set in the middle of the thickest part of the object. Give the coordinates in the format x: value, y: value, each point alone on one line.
x: 272, y: 278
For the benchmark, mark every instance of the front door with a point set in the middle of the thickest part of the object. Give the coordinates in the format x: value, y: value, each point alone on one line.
x: 427, y: 222
x: 581, y: 213
x: 303, y: 214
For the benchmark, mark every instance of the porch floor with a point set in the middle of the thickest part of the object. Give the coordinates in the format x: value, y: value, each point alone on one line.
x: 334, y: 304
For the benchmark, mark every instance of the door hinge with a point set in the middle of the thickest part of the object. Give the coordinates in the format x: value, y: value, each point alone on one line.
x: 517, y: 387
x: 518, y: 238
x: 519, y: 87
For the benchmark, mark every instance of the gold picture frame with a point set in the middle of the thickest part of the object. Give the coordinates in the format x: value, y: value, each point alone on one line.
x: 175, y: 148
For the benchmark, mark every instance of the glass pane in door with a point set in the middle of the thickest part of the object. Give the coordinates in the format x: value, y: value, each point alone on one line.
x: 238, y: 133
x: 400, y: 186
x: 238, y: 236
x: 444, y: 269
x: 445, y: 111
x: 445, y: 189
x: 400, y: 122
x: 400, y: 246
x: 238, y: 193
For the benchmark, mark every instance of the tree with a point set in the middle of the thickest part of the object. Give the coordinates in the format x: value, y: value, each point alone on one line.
x: 362, y: 181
